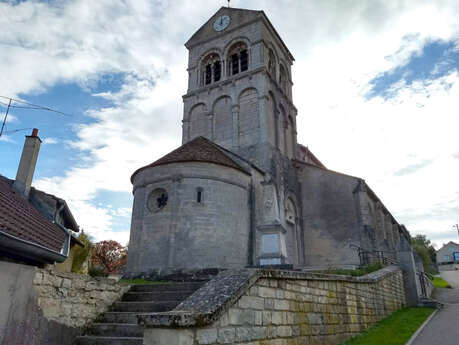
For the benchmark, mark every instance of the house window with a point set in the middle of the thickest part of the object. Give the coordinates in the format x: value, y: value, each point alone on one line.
x: 238, y: 58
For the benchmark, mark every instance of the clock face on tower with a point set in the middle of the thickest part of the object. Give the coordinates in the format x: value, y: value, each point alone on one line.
x: 221, y: 23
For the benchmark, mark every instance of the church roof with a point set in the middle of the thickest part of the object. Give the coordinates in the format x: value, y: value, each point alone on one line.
x: 199, y: 149
x: 239, y: 17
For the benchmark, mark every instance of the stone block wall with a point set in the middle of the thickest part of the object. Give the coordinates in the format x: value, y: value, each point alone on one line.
x: 287, y: 309
x: 44, y: 307
x: 74, y: 299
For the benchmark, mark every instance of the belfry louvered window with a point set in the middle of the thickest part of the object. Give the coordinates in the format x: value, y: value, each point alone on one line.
x: 238, y: 58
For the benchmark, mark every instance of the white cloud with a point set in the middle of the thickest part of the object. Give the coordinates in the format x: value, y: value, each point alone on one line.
x: 339, y: 47
x: 50, y: 140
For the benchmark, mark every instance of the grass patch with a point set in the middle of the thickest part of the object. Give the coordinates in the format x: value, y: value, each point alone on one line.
x: 395, y: 329
x: 139, y: 281
x: 440, y: 282
x: 356, y: 272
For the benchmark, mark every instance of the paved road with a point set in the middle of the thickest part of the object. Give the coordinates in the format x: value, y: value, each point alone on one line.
x: 452, y: 277
x: 443, y: 329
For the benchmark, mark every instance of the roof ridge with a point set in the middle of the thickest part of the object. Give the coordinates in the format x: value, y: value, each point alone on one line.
x: 199, y: 149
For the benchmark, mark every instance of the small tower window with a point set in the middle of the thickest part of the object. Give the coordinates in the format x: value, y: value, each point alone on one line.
x: 234, y: 64
x: 211, y: 69
x: 238, y: 58
x: 217, y: 70
x: 208, y: 74
x: 199, y: 192
x: 244, y: 60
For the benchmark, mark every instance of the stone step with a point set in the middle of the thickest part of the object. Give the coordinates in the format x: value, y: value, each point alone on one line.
x: 144, y: 307
x: 156, y: 296
x: 95, y: 340
x: 116, y: 330
x: 166, y: 287
x: 117, y: 317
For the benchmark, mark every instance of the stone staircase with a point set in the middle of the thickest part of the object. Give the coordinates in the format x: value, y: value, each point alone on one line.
x: 119, y: 325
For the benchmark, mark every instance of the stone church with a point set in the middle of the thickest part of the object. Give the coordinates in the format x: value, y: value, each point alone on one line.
x: 241, y: 191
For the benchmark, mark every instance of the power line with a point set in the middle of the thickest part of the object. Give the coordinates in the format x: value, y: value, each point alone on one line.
x: 24, y: 105
x: 17, y: 130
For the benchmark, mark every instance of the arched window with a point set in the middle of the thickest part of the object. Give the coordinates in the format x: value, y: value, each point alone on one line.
x: 238, y: 58
x: 211, y: 69
x: 272, y: 63
x: 282, y: 78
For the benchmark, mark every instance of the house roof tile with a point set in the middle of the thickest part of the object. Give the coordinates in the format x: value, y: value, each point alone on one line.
x: 20, y: 219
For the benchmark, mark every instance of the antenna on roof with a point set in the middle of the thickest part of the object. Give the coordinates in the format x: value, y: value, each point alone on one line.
x: 23, y: 105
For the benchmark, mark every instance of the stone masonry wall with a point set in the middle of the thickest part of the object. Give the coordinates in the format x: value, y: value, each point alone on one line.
x: 74, y: 299
x: 278, y: 311
x: 44, y: 307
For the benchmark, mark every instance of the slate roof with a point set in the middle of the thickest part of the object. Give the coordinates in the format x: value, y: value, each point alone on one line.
x: 20, y: 219
x: 199, y: 149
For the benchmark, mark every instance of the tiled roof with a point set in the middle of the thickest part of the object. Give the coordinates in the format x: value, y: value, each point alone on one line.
x: 199, y: 149
x: 20, y: 219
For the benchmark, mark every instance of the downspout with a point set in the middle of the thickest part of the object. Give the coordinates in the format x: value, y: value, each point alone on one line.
x: 66, y: 247
x: 252, y: 233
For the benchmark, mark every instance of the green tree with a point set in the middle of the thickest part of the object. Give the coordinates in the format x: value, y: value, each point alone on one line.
x: 82, y: 253
x: 423, y: 247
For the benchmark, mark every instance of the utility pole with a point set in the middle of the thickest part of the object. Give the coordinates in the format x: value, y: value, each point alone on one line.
x: 15, y: 103
x: 6, y: 115
x: 456, y: 226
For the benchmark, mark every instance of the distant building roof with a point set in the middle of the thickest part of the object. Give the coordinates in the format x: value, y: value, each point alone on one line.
x: 199, y: 149
x: 448, y: 244
x: 18, y: 218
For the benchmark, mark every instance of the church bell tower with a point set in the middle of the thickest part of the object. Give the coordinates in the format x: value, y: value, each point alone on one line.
x: 239, y: 87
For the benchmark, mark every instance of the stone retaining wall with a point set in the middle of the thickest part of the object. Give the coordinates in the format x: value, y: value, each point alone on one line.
x: 74, y: 299
x: 44, y: 307
x: 281, y: 308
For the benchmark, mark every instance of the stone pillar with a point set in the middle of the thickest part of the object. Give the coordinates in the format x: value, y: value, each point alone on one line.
x: 263, y: 118
x: 210, y: 131
x: 185, y: 130
x: 411, y: 282
x: 235, y: 113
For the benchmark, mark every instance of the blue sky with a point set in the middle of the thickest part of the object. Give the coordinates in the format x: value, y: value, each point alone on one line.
x: 376, y: 85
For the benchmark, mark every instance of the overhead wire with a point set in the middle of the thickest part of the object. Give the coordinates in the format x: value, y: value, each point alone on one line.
x: 24, y: 105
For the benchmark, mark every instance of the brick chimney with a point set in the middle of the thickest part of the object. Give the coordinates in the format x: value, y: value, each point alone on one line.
x: 27, y: 164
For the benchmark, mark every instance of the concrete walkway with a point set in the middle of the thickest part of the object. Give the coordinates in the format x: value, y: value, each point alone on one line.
x: 444, y: 327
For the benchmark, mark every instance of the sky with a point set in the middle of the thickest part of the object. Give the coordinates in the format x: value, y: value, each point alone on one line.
x: 376, y: 85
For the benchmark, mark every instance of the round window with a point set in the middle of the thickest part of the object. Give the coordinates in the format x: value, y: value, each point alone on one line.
x: 157, y: 200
